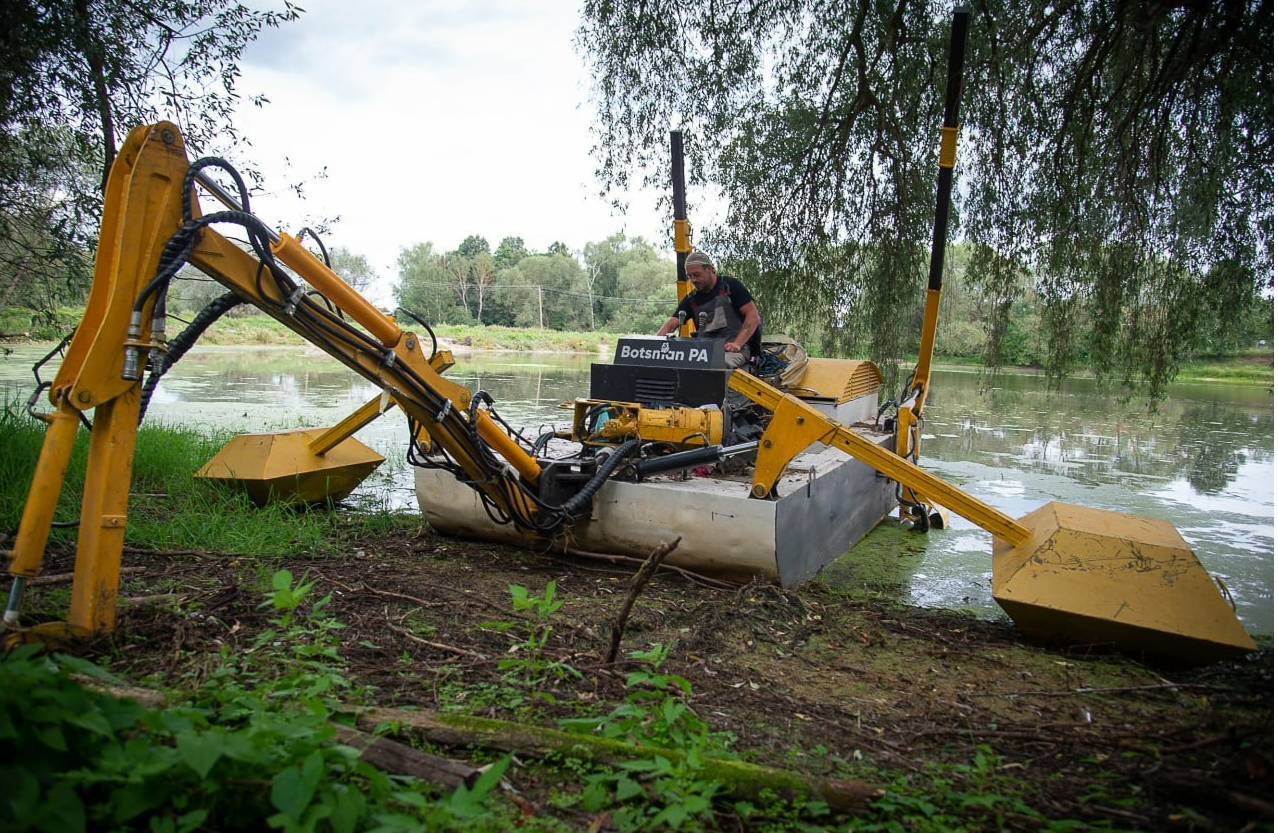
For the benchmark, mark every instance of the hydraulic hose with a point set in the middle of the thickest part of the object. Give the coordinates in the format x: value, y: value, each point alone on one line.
x: 184, y: 341
x: 574, y: 504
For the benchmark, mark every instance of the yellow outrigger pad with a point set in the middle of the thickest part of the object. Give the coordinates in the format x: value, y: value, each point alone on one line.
x: 1090, y: 576
x: 283, y: 466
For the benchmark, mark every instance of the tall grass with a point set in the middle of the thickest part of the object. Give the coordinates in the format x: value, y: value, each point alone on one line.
x: 168, y: 507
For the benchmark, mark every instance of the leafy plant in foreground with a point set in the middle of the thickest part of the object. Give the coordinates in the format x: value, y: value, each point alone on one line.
x: 656, y: 711
x: 256, y: 750
x: 657, y: 791
x: 973, y: 797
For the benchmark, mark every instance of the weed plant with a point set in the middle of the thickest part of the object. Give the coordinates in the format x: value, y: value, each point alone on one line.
x: 659, y: 791
x: 530, y: 665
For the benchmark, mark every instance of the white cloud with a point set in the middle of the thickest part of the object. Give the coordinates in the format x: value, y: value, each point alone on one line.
x: 433, y: 120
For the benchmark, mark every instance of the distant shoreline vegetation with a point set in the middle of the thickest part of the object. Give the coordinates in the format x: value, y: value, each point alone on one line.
x: 1251, y: 366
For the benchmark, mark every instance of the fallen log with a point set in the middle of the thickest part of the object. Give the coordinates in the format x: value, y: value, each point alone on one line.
x: 397, y: 758
x: 740, y: 779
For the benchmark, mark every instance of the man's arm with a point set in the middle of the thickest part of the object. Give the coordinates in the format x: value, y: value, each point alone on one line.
x: 750, y: 321
x: 672, y: 324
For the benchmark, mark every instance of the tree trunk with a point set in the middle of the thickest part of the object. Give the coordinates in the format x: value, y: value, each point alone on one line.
x: 93, y: 57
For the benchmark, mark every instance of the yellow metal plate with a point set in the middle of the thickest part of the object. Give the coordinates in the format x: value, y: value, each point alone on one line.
x: 1091, y: 576
x: 280, y: 466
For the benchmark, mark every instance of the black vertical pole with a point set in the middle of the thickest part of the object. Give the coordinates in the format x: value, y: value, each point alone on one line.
x: 944, y: 187
x: 910, y: 412
x: 682, y: 233
x: 949, y: 143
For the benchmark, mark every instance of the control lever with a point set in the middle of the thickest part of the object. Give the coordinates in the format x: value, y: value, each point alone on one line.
x: 683, y: 319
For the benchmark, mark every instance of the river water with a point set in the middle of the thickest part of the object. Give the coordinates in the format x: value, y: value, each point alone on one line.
x: 1204, y: 461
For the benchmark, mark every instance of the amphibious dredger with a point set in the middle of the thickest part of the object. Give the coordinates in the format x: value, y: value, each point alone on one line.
x: 693, y: 473
x: 756, y: 473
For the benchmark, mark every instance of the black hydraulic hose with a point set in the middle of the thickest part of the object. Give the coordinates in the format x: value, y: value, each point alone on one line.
x: 475, y: 400
x: 574, y: 504
x: 318, y: 242
x: 878, y: 418
x: 678, y: 460
x: 539, y: 444
x: 178, y: 248
x: 434, y: 343
x: 188, y: 183
x: 35, y: 368
x: 184, y: 341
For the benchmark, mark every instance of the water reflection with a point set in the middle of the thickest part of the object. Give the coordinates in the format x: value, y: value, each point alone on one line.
x: 1204, y: 461
x: 1078, y: 434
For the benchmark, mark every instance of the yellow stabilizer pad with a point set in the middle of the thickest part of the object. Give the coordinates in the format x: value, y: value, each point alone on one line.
x: 1089, y: 576
x: 280, y: 466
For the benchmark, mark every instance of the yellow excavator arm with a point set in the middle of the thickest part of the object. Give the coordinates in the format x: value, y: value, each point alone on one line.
x: 152, y: 224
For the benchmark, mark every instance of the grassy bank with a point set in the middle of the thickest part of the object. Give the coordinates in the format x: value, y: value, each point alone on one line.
x: 168, y: 507
x: 261, y: 329
x: 1251, y: 367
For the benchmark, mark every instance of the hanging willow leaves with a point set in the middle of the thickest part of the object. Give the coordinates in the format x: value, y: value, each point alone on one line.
x: 1116, y: 160
x: 75, y: 77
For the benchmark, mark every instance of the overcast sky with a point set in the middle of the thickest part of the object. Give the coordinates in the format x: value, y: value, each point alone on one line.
x: 434, y: 120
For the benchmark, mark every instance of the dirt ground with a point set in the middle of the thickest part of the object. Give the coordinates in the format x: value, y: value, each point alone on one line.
x: 807, y: 680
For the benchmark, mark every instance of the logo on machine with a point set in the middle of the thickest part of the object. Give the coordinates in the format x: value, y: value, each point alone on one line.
x: 666, y: 353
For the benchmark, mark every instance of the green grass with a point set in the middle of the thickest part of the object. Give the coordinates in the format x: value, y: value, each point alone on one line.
x: 28, y: 323
x: 250, y: 329
x: 528, y: 340
x: 1252, y: 367
x: 168, y: 507
x: 264, y: 330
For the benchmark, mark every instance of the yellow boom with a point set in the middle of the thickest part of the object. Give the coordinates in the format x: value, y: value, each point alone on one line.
x: 1065, y: 574
x: 151, y: 222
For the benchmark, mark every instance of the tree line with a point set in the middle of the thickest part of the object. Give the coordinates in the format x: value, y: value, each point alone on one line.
x: 626, y: 285
x: 617, y: 284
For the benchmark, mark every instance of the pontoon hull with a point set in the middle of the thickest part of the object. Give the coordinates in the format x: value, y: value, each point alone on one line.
x: 826, y: 503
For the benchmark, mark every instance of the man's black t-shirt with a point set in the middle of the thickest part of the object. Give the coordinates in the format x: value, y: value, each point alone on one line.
x: 738, y: 295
